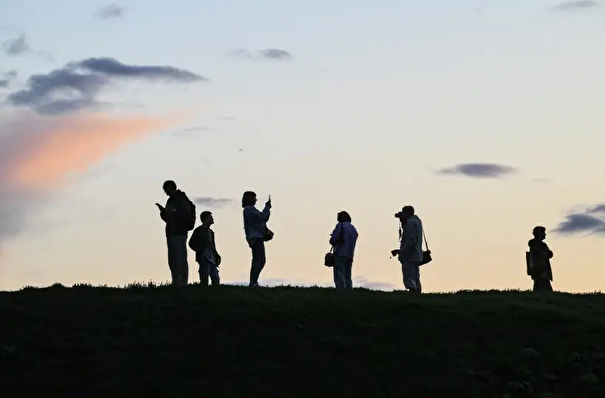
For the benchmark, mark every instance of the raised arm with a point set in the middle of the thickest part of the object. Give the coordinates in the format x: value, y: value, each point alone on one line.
x: 254, y: 213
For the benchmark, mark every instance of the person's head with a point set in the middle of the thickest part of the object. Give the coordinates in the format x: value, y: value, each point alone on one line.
x: 343, y: 216
x: 207, y: 218
x: 405, y: 213
x: 248, y: 199
x: 539, y: 232
x: 169, y: 187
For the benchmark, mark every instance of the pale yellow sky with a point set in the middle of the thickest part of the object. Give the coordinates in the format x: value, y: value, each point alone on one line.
x: 359, y: 119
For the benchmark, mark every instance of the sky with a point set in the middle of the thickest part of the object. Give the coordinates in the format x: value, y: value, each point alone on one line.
x: 486, y: 116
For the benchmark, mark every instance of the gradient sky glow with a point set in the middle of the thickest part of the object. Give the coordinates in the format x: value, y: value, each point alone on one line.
x: 487, y: 116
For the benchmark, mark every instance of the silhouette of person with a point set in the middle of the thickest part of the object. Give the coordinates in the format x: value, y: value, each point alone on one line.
x: 410, y: 250
x: 343, y: 239
x: 539, y: 256
x: 177, y: 214
x: 255, y: 222
x: 203, y: 243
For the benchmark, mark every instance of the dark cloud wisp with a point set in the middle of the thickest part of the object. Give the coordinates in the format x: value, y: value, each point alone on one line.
x: 591, y: 221
x: 576, y: 5
x: 478, y: 170
x: 77, y: 85
x: 113, y: 68
x: 16, y: 46
x: 273, y: 54
x: 579, y: 223
x: 110, y: 11
x: 600, y: 208
x: 212, y: 202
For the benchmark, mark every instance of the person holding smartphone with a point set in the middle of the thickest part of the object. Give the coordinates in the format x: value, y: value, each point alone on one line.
x: 255, y: 227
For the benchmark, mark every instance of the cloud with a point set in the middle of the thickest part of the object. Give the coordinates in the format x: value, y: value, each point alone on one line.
x: 581, y: 222
x: 373, y: 285
x: 212, y: 202
x: 110, y: 11
x: 39, y: 154
x: 600, y: 208
x: 589, y: 219
x: 77, y: 85
x: 7, y: 78
x: 479, y: 170
x: 274, y: 54
x: 576, y: 5
x: 17, y: 46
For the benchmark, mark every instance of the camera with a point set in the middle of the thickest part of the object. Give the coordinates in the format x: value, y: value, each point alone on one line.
x: 399, y: 214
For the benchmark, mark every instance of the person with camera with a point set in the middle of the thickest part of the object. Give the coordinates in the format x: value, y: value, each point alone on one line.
x: 257, y: 233
x: 410, y: 251
x: 343, y: 240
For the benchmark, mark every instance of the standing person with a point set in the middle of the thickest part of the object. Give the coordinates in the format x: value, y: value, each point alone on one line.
x: 255, y: 227
x: 203, y: 243
x: 343, y: 239
x: 410, y: 251
x: 539, y: 256
x: 179, y: 216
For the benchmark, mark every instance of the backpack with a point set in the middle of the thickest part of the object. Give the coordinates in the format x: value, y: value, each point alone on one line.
x: 190, y: 224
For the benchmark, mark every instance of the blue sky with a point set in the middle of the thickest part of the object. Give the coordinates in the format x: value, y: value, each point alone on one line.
x: 376, y: 98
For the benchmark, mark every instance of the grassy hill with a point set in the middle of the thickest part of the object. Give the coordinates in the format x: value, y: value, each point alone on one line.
x: 294, y: 342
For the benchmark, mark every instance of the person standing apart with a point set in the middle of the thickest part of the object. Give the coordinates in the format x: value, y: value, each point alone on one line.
x: 539, y: 256
x: 343, y: 240
x: 255, y: 227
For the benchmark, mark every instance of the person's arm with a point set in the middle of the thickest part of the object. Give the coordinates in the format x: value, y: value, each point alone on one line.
x: 410, y: 237
x: 254, y: 213
x: 335, y: 236
x: 217, y: 256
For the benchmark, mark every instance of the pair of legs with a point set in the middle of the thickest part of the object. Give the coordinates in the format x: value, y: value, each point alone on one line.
x: 342, y: 272
x: 411, y: 275
x: 208, y: 271
x: 177, y: 259
x: 542, y: 285
x: 258, y: 260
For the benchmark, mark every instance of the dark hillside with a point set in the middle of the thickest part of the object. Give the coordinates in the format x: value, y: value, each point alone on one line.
x: 295, y: 342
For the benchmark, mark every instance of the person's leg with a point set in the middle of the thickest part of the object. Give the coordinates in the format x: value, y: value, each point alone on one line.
x: 339, y: 272
x: 172, y: 263
x: 418, y: 284
x: 216, y: 280
x: 204, y: 272
x: 258, y: 260
x: 180, y: 249
x: 410, y: 271
x: 348, y: 272
x: 548, y: 285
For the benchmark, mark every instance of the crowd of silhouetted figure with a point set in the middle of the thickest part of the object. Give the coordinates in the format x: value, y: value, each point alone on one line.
x: 180, y: 217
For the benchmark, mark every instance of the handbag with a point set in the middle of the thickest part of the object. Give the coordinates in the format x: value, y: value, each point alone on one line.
x: 426, y: 254
x: 330, y: 259
x: 267, y: 234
